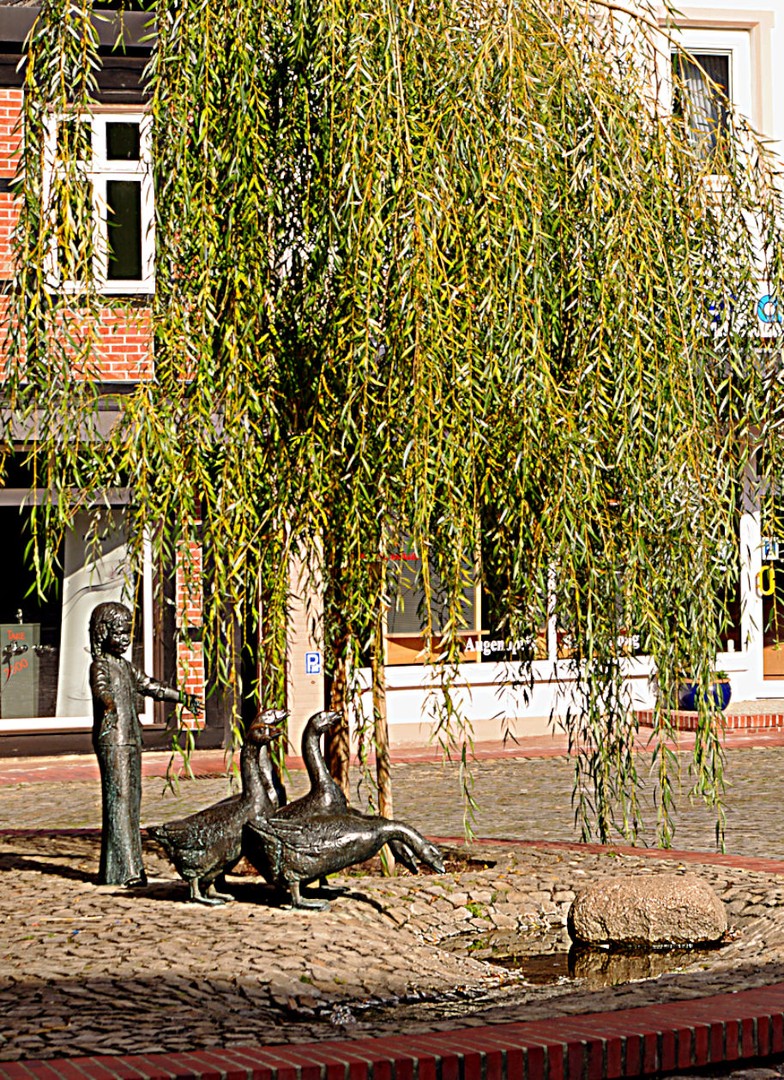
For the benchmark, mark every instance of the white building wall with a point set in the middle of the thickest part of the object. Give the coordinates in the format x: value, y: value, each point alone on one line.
x: 304, y: 655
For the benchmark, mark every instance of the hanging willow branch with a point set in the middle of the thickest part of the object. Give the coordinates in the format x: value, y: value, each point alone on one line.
x: 449, y: 271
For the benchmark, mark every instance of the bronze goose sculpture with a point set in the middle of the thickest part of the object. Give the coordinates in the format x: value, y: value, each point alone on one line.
x: 325, y: 796
x: 290, y: 852
x: 208, y: 843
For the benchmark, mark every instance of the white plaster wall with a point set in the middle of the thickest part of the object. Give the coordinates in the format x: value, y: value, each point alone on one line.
x: 491, y: 699
x: 304, y: 691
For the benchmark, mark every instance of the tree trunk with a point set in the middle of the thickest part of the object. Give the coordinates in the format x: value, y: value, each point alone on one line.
x: 380, y: 726
x: 337, y: 749
x: 381, y: 730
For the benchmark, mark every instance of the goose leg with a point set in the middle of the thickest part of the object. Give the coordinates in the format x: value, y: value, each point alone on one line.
x: 212, y: 893
x: 331, y: 890
x: 300, y: 901
x: 197, y: 898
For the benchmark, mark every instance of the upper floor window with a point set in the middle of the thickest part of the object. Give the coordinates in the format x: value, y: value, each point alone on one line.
x: 110, y: 154
x: 713, y: 67
x: 701, y: 97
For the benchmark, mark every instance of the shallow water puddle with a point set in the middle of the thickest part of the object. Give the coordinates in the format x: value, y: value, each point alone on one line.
x: 546, y: 957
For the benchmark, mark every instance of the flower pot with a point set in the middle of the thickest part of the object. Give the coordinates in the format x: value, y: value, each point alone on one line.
x: 719, y: 695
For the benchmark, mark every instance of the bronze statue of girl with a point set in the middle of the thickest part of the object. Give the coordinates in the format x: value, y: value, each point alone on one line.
x: 117, y: 741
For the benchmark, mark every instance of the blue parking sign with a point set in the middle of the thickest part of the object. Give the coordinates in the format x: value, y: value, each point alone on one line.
x: 312, y: 663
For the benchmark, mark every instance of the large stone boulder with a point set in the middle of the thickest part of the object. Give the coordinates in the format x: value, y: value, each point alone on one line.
x: 648, y: 910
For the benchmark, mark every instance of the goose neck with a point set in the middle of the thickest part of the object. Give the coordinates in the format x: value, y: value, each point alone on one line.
x: 251, y: 765
x: 314, y: 759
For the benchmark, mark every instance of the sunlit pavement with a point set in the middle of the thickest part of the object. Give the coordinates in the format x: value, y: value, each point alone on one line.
x: 89, y: 970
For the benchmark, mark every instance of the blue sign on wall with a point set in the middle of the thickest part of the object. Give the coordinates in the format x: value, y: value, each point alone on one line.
x: 312, y: 663
x: 768, y: 309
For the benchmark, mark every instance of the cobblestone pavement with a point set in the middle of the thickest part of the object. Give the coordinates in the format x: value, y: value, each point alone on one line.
x: 526, y: 799
x: 93, y: 969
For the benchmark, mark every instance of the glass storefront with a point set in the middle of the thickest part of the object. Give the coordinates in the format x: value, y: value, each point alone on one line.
x: 44, y: 642
x: 405, y: 643
x: 29, y: 631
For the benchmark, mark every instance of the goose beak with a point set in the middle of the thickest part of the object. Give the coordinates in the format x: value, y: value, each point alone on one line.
x: 274, y: 717
x: 263, y: 731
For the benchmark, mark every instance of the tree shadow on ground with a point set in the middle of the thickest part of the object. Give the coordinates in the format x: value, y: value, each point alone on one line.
x: 13, y: 860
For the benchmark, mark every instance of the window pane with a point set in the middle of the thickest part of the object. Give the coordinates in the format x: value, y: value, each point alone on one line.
x: 74, y: 203
x: 705, y: 80
x: 125, y: 230
x: 74, y: 141
x: 122, y: 141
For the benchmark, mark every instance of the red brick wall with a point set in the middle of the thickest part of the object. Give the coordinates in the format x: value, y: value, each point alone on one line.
x: 125, y: 344
x: 125, y: 348
x: 10, y: 104
x: 188, y: 606
x: 122, y: 351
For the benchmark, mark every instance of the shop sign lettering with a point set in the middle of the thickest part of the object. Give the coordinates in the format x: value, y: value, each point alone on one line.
x: 394, y: 556
x: 629, y: 642
x: 766, y: 581
x: 768, y: 310
x: 497, y: 645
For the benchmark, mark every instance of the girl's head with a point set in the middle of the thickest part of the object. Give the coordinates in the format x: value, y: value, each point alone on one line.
x: 110, y: 629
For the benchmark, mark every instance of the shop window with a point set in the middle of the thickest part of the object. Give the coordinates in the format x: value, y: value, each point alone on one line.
x: 405, y: 643
x: 495, y: 645
x: 29, y: 631
x: 44, y: 641
x: 484, y: 639
x: 115, y: 195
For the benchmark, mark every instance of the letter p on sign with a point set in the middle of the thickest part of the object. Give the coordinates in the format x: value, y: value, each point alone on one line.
x: 312, y: 663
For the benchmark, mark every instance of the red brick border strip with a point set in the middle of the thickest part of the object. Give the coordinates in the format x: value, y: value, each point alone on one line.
x: 685, y: 720
x: 709, y: 858
x: 742, y: 862
x: 722, y: 1029
x: 212, y: 763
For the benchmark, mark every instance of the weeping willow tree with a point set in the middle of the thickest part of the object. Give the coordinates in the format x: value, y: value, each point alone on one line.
x: 452, y: 272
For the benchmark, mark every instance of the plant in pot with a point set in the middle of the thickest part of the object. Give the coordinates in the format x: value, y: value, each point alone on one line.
x: 718, y: 694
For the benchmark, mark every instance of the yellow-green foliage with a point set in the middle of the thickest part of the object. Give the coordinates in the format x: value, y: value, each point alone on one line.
x: 444, y: 270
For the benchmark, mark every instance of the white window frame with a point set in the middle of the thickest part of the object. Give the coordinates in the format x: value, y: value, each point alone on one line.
x: 99, y: 171
x: 736, y: 44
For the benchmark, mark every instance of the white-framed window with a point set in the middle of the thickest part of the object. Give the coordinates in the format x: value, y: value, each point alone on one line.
x: 713, y: 65
x: 113, y: 162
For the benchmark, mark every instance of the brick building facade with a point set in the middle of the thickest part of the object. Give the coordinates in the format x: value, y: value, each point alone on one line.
x: 44, y: 699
